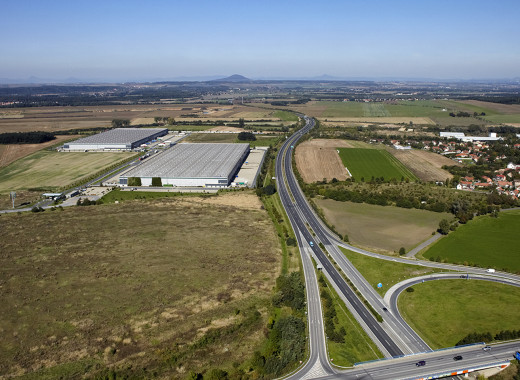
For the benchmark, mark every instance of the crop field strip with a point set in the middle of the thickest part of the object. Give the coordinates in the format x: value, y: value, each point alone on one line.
x: 368, y: 163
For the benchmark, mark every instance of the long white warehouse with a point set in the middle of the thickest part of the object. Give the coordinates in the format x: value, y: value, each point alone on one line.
x: 117, y: 139
x: 193, y: 165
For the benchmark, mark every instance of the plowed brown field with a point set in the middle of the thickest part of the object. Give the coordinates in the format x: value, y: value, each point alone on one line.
x: 425, y: 165
x: 318, y: 159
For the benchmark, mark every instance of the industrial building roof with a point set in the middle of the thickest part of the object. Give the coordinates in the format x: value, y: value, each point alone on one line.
x: 192, y: 160
x: 119, y: 136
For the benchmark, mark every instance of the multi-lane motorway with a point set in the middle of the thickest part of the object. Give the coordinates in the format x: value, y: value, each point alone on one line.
x: 394, y: 337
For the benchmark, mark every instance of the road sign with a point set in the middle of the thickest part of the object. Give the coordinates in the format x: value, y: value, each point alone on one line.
x: 379, y: 285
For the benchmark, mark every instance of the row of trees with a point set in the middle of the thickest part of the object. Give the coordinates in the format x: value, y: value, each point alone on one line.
x: 26, y: 137
x: 286, y: 335
x: 488, y: 337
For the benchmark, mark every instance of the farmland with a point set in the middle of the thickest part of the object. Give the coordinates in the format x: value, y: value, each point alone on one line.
x: 52, y: 119
x: 53, y: 170
x: 230, y: 138
x: 12, y: 152
x: 382, y: 228
x: 484, y: 241
x: 368, y: 163
x: 318, y: 159
x: 91, y: 288
x: 444, y: 312
x: 427, y: 166
x: 420, y: 112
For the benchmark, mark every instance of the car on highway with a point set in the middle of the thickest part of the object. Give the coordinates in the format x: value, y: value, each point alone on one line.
x: 420, y: 364
x: 311, y: 244
x: 458, y: 357
x: 487, y: 348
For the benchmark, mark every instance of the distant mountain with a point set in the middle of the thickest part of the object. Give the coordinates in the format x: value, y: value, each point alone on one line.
x: 233, y: 78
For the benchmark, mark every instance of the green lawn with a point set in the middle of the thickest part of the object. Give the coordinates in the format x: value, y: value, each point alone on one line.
x: 484, y: 241
x: 285, y: 116
x: 230, y: 138
x: 504, y: 119
x: 445, y: 311
x: 54, y: 170
x: 368, y: 163
x: 386, y: 272
x: 341, y: 109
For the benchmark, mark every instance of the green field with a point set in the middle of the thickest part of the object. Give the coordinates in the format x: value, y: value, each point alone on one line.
x: 384, y: 228
x: 445, y: 311
x: 145, y: 288
x: 484, y: 241
x: 53, y: 170
x: 368, y: 163
x: 383, y: 271
x: 285, y: 116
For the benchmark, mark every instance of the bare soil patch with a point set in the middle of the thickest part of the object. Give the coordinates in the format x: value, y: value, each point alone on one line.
x: 226, y: 129
x: 318, y: 159
x: 12, y: 152
x: 425, y: 165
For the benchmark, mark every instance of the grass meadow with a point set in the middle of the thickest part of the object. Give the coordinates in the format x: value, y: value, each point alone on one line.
x: 484, y: 241
x: 145, y: 288
x: 445, y: 311
x: 382, y: 271
x: 368, y: 163
x: 383, y: 228
x: 54, y: 170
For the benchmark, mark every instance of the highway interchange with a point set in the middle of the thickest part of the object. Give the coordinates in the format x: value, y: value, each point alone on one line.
x: 401, y: 346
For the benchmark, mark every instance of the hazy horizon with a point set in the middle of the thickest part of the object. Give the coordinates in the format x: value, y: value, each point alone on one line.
x: 162, y: 40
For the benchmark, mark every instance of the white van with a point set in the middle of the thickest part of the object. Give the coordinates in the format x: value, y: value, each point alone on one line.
x: 490, y: 270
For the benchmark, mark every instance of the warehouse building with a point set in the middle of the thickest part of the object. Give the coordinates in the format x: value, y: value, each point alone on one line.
x: 116, y: 139
x: 193, y: 165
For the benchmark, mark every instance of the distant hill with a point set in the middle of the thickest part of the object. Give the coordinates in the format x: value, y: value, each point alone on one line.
x: 233, y: 78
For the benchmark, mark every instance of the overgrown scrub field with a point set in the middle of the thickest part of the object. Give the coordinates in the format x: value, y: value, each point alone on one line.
x: 368, y: 163
x: 383, y: 228
x: 142, y: 288
x: 386, y: 272
x: 443, y: 312
x: 484, y: 241
x: 52, y: 170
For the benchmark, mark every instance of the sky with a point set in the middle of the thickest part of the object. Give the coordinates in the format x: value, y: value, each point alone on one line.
x: 153, y: 40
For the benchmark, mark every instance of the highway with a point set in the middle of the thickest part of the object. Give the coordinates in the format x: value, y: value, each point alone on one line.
x: 394, y: 337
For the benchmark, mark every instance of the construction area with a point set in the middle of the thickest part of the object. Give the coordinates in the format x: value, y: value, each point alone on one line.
x: 191, y: 165
x: 116, y: 139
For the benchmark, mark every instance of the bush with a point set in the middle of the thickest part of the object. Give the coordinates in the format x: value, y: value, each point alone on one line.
x: 410, y: 290
x: 246, y: 136
x: 402, y: 251
x: 156, y: 181
x: 134, y: 181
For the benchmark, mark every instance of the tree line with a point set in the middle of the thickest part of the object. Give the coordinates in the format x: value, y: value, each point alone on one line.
x: 26, y: 137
